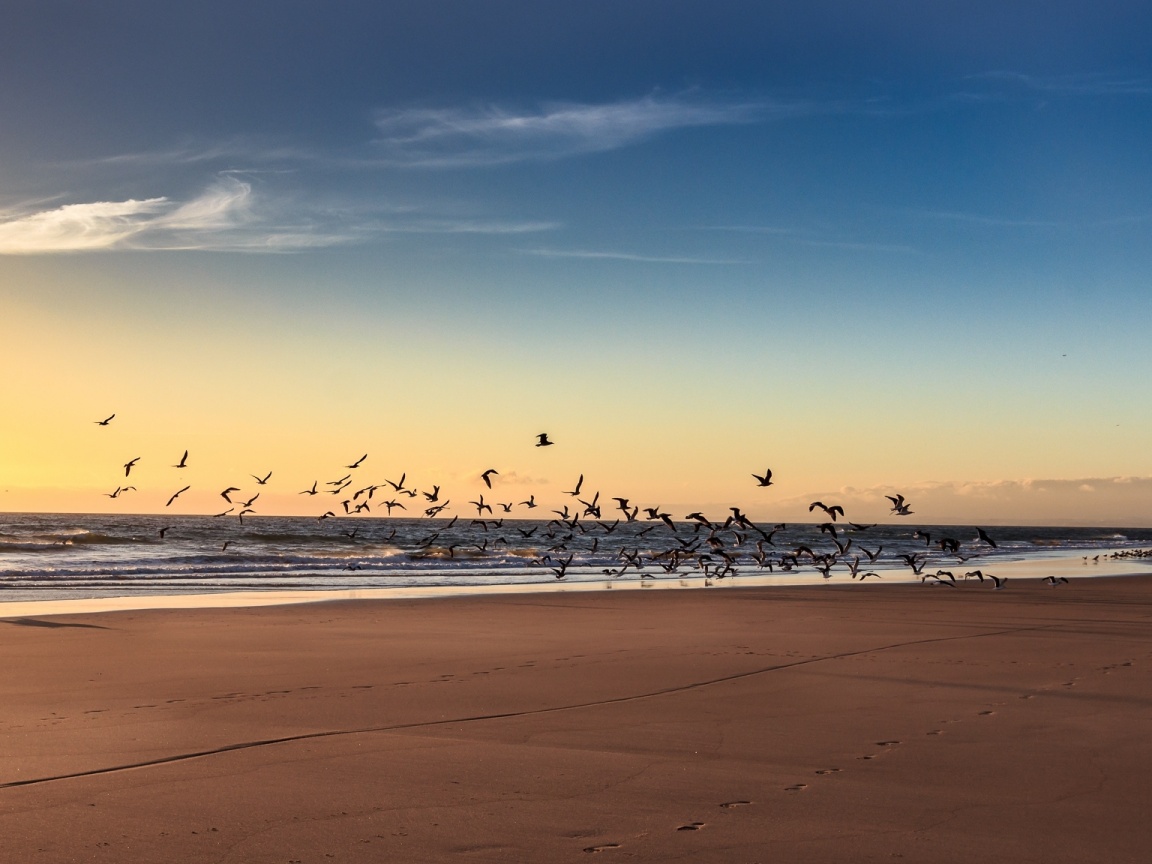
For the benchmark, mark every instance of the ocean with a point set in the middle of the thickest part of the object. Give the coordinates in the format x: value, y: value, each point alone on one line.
x: 84, y: 556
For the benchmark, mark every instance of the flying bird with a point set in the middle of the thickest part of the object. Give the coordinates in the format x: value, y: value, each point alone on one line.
x: 356, y: 464
x: 311, y: 491
x: 258, y: 480
x: 831, y: 511
x: 487, y: 477
x: 104, y: 422
x: 898, y: 505
x: 174, y: 497
x: 576, y: 491
x: 766, y: 480
x: 183, y: 463
x: 224, y: 494
x: 128, y: 465
x: 542, y: 440
x: 983, y: 536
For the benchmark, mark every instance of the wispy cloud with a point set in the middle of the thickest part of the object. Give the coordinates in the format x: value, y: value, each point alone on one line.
x: 628, y: 256
x: 1071, y: 85
x: 227, y: 216
x: 494, y: 135
x: 1115, y: 501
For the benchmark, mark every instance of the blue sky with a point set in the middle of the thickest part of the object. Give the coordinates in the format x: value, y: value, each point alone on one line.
x: 880, y: 243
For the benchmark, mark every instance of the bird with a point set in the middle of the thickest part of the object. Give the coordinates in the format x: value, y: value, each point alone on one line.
x: 115, y: 494
x: 261, y: 482
x: 177, y: 495
x: 248, y: 503
x: 400, y: 485
x: 982, y: 535
x: 575, y: 492
x: 104, y: 422
x: 898, y: 505
x: 165, y: 530
x: 1053, y: 581
x: 831, y: 511
x: 542, y: 440
x: 311, y: 491
x: 998, y: 581
x: 530, y: 503
x: 487, y: 477
x: 227, y: 543
x: 224, y: 494
x: 766, y: 480
x: 183, y: 463
x: 432, y: 496
x: 356, y: 464
x: 128, y: 465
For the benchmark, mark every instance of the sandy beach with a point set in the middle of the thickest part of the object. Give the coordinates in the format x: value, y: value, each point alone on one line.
x: 831, y: 723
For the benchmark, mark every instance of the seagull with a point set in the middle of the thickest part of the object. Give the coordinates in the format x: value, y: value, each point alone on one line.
x: 183, y: 463
x: 104, y: 422
x: 115, y: 494
x: 311, y: 491
x: 224, y: 494
x: 400, y: 485
x: 831, y: 511
x: 1053, y: 581
x: 575, y: 492
x: 487, y: 477
x: 898, y: 505
x: 542, y: 440
x: 432, y: 496
x: 248, y: 503
x: 227, y: 543
x: 983, y: 536
x: 128, y: 466
x: 165, y: 529
x: 766, y: 480
x: 999, y: 581
x: 258, y: 480
x: 174, y: 497
x: 530, y: 503
x: 356, y: 464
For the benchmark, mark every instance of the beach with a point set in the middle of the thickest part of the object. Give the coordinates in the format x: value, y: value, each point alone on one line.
x: 838, y: 722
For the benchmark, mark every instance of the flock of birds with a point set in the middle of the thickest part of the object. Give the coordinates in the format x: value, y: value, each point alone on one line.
x: 716, y: 549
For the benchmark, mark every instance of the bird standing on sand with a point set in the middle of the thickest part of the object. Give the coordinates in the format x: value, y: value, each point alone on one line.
x: 542, y: 440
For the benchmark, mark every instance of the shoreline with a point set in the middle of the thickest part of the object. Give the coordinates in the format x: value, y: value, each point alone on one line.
x: 1068, y: 567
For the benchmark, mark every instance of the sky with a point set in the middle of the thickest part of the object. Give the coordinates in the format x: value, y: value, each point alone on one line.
x: 877, y: 248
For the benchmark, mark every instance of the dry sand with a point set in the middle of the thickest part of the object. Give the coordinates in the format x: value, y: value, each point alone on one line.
x: 833, y: 723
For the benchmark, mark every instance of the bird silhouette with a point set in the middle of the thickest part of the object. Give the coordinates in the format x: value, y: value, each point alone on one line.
x: 226, y: 492
x: 575, y: 492
x: 898, y: 506
x: 259, y: 481
x: 766, y: 480
x: 487, y: 477
x: 542, y: 440
x: 129, y: 465
x: 983, y: 536
x: 356, y: 464
x: 104, y: 422
x: 183, y: 463
x: 177, y: 495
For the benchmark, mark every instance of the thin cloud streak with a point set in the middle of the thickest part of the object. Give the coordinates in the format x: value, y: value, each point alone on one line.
x: 493, y: 135
x: 627, y: 256
x: 226, y: 217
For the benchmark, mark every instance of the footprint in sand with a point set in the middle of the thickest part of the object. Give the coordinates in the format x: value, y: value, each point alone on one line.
x: 728, y: 805
x: 796, y: 787
x: 828, y: 771
x: 601, y: 847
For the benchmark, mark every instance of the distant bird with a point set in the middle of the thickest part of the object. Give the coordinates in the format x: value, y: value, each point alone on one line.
x: 766, y: 480
x: 248, y: 503
x: 174, y: 497
x: 998, y: 582
x: 224, y: 494
x: 104, y: 422
x: 115, y: 494
x: 898, y: 506
x: 311, y: 491
x: 922, y: 535
x: 487, y: 477
x: 983, y: 536
x: 227, y: 543
x: 258, y: 480
x: 128, y: 465
x: 530, y: 503
x: 432, y: 496
x: 225, y: 513
x: 356, y: 464
x: 165, y: 530
x: 831, y: 511
x: 542, y: 440
x: 400, y: 485
x: 575, y: 492
x: 1053, y: 581
x: 183, y: 463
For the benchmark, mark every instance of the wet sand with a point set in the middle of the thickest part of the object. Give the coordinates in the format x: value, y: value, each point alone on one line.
x: 829, y: 723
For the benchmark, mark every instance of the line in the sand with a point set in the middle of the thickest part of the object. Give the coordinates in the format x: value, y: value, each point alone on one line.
x: 424, y: 724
